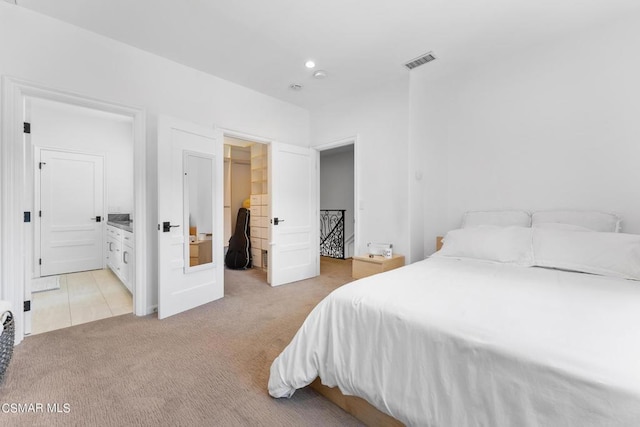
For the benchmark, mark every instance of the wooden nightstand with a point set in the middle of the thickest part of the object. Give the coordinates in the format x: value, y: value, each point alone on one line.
x: 200, y: 252
x: 364, y: 266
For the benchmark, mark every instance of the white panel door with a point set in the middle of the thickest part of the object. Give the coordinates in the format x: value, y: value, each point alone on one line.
x: 190, y: 195
x: 71, y: 200
x: 294, y: 249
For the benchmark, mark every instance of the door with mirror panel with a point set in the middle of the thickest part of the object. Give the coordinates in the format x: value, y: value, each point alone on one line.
x: 190, y: 228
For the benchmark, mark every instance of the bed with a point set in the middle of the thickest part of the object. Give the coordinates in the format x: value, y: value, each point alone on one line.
x: 493, y: 339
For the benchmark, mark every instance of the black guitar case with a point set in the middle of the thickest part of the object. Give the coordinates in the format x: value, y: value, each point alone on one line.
x: 239, y: 253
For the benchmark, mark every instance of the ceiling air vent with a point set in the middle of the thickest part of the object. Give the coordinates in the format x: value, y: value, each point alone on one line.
x: 420, y: 60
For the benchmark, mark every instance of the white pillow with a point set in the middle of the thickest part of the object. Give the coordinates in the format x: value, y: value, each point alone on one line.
x: 560, y: 226
x: 500, y: 244
x: 592, y: 220
x: 497, y: 218
x: 606, y: 254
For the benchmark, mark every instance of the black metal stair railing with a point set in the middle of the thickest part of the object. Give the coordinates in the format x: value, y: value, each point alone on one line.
x: 332, y: 233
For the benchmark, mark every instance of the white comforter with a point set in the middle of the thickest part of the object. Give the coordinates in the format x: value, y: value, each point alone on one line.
x: 445, y: 342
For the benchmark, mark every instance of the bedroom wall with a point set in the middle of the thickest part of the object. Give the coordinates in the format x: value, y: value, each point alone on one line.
x: 380, y: 119
x: 553, y: 126
x: 58, y: 55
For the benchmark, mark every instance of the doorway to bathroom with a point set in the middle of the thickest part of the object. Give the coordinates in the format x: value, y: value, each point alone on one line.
x: 82, y: 178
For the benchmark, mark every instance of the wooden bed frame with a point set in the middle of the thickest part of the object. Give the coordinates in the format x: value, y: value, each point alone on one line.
x: 356, y: 406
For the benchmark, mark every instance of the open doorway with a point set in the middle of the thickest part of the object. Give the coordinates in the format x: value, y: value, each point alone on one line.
x: 17, y: 189
x: 82, y: 188
x: 338, y: 216
x: 337, y: 202
x: 246, y: 194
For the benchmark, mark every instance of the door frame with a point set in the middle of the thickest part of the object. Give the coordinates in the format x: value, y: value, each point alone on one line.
x: 221, y: 133
x: 37, y: 202
x: 16, y: 163
x: 352, y: 140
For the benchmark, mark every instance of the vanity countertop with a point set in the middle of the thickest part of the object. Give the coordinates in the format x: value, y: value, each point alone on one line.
x: 123, y: 225
x: 121, y: 221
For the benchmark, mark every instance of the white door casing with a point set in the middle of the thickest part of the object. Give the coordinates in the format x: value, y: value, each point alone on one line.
x: 71, y: 200
x: 16, y: 196
x: 181, y: 288
x: 294, y: 249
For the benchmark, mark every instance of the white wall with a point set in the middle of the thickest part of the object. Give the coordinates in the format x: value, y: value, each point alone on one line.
x: 553, y: 126
x: 380, y: 118
x: 337, y: 184
x: 51, y: 52
x: 56, y: 125
x: 58, y: 55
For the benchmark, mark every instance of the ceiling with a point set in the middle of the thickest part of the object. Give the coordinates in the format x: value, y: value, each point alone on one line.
x: 361, y: 44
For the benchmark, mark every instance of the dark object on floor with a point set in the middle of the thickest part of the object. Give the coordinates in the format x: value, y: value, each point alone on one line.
x: 6, y: 344
x: 239, y: 254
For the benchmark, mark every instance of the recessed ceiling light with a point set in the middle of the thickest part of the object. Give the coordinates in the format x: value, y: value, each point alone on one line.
x: 309, y: 64
x: 295, y: 86
x: 320, y: 74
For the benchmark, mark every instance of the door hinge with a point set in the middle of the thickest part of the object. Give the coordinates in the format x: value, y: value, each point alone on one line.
x: 27, y: 306
x: 27, y: 217
x: 40, y: 261
x: 27, y: 127
x: 40, y: 214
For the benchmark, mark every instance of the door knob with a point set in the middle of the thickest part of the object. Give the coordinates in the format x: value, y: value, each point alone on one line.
x: 166, y: 226
x: 96, y: 219
x: 277, y: 221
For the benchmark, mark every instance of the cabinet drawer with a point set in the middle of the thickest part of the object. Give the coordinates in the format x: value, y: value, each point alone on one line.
x: 256, y: 255
x: 363, y: 266
x: 255, y: 200
x: 256, y: 243
x: 365, y: 269
x: 256, y: 232
x: 201, y: 251
x: 127, y: 255
x: 194, y: 250
x: 263, y: 233
x: 127, y: 238
x: 256, y: 210
x: 113, y: 246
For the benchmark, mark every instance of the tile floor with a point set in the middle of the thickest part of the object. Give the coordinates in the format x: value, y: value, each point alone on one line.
x: 83, y: 297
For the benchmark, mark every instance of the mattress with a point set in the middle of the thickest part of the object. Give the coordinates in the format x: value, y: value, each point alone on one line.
x: 446, y: 342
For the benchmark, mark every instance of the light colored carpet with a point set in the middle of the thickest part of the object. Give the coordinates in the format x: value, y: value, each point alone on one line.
x: 206, y: 367
x: 48, y: 283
